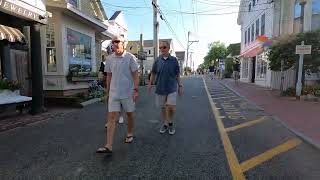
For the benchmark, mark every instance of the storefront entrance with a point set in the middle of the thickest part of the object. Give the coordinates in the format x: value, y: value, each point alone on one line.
x: 253, y: 76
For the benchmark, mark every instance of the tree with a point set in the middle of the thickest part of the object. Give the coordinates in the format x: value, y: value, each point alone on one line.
x: 217, y: 50
x: 229, y: 67
x: 284, y: 48
x: 233, y: 49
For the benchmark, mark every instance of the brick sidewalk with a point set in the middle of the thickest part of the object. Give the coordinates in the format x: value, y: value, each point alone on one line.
x: 16, y: 120
x: 301, y: 116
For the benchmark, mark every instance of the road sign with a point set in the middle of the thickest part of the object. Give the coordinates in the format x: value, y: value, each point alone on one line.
x: 303, y: 49
x: 142, y: 55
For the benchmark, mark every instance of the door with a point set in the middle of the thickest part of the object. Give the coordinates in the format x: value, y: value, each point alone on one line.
x: 253, y: 76
x: 20, y: 59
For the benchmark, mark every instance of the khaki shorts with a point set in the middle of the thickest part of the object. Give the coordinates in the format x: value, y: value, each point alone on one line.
x: 163, y: 100
x: 118, y: 105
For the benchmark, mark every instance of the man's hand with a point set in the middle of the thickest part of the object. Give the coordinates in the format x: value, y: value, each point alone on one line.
x: 135, y: 95
x: 180, y: 90
x: 149, y: 88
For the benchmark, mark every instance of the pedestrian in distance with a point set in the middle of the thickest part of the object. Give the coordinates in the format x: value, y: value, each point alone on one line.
x: 121, y: 89
x: 166, y: 73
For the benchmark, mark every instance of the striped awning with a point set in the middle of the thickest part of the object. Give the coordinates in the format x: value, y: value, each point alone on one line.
x: 11, y: 34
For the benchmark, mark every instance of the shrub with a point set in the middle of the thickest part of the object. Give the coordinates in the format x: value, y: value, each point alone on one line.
x: 9, y: 84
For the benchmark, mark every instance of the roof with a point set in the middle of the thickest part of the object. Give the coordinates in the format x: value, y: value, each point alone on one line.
x: 180, y: 55
x: 115, y: 15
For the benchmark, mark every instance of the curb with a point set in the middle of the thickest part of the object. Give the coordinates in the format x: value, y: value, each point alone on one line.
x: 91, y: 101
x: 297, y: 133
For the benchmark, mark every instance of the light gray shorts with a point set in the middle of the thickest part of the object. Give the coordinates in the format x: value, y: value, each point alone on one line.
x: 118, y: 105
x: 163, y: 100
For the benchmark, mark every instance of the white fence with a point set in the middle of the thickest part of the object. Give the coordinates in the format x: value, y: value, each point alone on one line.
x: 289, y: 79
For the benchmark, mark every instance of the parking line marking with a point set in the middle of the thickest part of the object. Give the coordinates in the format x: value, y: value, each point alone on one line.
x: 223, y: 97
x: 233, y: 161
x: 255, y: 161
x: 247, y: 124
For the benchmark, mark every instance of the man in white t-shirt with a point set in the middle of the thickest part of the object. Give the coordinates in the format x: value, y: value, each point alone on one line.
x: 122, y: 89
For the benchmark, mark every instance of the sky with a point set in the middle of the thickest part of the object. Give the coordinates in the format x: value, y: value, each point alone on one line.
x: 207, y: 21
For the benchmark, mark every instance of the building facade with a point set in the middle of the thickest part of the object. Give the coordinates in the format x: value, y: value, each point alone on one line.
x: 21, y: 22
x: 134, y: 47
x: 262, y: 20
x: 73, y: 41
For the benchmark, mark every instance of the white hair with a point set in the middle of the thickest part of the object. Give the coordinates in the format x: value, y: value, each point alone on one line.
x: 121, y: 38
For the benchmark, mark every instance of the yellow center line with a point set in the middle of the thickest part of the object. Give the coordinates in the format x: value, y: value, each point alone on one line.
x: 247, y: 124
x: 231, y: 156
x: 270, y: 154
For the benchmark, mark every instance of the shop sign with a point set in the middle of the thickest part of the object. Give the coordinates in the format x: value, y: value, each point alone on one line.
x: 13, y: 8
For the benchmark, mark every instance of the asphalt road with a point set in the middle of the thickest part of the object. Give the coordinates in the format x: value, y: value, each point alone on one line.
x: 208, y: 144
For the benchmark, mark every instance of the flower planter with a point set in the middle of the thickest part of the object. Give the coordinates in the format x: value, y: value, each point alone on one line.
x: 8, y: 92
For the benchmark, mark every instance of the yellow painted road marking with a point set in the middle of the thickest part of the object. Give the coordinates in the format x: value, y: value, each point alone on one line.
x: 270, y: 154
x: 231, y: 156
x: 234, y: 100
x: 224, y: 97
x: 247, y: 124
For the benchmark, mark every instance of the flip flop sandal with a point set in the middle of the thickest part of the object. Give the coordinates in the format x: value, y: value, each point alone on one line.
x: 128, y: 139
x: 104, y: 150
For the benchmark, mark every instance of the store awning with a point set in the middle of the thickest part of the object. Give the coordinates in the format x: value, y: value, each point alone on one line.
x: 252, y: 52
x: 11, y: 34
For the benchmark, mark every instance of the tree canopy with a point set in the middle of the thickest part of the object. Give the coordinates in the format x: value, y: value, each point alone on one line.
x: 284, y: 48
x: 233, y: 49
x: 217, y: 50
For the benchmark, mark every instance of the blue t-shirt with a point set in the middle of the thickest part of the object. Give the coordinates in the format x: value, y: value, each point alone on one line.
x: 166, y: 71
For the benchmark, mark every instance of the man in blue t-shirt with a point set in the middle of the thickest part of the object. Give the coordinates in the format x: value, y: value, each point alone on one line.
x: 166, y: 72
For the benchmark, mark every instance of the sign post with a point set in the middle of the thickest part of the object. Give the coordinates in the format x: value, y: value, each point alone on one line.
x: 301, y: 50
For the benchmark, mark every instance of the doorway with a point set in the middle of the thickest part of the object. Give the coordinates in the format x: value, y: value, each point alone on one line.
x: 253, y: 76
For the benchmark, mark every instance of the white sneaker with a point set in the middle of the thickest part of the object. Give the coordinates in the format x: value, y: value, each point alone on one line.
x: 121, y: 120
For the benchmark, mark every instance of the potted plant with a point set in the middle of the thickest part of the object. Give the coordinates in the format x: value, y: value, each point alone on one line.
x: 9, y: 86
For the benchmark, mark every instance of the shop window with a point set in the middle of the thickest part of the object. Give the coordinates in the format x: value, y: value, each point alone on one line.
x: 261, y: 66
x: 316, y: 7
x: 248, y: 36
x: 75, y: 3
x: 252, y: 32
x: 79, y: 51
x: 245, y: 37
x: 263, y: 24
x: 51, y: 49
x: 257, y: 27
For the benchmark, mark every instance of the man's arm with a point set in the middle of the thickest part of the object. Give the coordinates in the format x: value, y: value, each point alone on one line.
x: 108, y: 80
x: 135, y: 77
x: 152, y: 77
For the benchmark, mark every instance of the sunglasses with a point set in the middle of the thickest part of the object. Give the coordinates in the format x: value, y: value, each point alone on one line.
x: 163, y: 47
x: 116, y: 41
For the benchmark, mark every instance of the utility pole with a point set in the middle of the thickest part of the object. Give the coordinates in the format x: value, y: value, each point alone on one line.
x: 141, y: 57
x: 191, y: 62
x: 188, y: 45
x: 155, y: 29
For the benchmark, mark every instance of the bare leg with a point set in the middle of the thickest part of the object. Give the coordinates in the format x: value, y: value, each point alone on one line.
x: 164, y: 115
x: 112, y: 117
x: 171, y: 111
x: 130, y: 116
